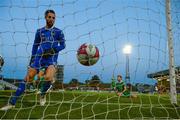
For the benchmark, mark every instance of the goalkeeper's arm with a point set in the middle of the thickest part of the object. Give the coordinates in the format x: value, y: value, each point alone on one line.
x: 35, y: 47
x: 36, y: 43
x: 61, y: 42
x: 31, y: 60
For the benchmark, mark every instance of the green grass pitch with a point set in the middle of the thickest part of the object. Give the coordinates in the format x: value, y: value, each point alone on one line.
x: 90, y: 105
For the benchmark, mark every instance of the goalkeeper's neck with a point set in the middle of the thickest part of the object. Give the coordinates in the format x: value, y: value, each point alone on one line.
x: 49, y: 28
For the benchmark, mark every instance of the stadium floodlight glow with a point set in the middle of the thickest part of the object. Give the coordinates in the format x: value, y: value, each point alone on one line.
x: 127, y: 49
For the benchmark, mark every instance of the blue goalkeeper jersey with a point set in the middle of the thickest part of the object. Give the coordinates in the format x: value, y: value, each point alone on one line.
x: 46, y: 39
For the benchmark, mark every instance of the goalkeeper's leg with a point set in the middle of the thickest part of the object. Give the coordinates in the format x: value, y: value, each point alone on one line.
x: 21, y: 88
x: 47, y: 84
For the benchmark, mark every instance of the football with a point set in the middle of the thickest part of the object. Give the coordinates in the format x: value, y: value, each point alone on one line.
x: 88, y: 54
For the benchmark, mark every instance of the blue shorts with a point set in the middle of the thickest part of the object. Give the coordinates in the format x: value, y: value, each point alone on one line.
x: 42, y: 63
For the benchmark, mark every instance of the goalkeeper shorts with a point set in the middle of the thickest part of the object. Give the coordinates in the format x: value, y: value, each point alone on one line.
x: 42, y: 64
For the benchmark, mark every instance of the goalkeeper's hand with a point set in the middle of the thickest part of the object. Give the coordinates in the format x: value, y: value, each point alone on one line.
x: 48, y: 53
x: 119, y: 94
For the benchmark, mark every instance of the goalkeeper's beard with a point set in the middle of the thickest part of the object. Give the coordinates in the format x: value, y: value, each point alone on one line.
x: 49, y: 24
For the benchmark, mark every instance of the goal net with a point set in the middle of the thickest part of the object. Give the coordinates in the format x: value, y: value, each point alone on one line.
x: 85, y: 92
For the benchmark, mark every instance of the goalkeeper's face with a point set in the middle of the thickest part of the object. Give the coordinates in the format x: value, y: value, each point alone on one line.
x: 119, y: 78
x: 50, y: 19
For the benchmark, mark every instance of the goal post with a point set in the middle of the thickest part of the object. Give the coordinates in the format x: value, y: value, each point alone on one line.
x: 172, y: 75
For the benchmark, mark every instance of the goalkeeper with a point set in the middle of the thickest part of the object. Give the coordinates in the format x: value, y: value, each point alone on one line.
x: 120, y: 88
x: 49, y: 40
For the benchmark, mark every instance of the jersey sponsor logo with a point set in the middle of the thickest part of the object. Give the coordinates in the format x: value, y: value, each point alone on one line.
x: 52, y: 33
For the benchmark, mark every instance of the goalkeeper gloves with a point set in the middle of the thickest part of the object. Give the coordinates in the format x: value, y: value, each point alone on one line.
x: 48, y: 53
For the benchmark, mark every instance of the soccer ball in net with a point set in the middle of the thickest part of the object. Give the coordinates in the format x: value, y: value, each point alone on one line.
x: 88, y: 54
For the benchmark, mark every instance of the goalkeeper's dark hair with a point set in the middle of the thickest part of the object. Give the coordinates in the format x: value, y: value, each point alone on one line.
x: 119, y: 76
x: 49, y: 11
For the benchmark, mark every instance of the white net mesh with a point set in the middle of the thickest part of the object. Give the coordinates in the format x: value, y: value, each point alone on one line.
x: 110, y: 25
